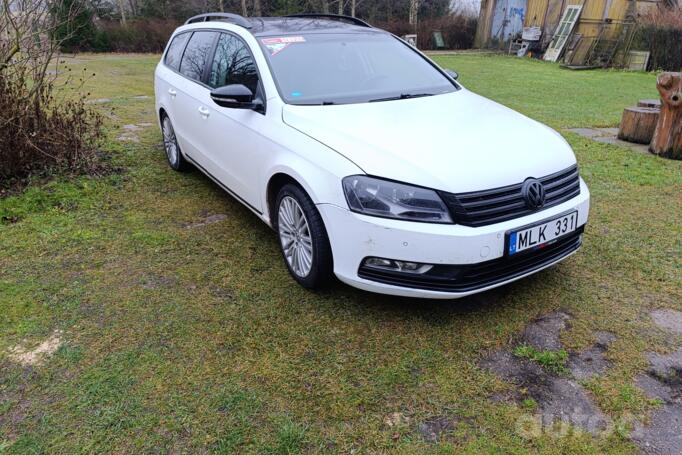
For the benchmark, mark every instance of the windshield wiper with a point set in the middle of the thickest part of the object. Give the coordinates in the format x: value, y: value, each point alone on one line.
x: 402, y: 96
x: 323, y: 103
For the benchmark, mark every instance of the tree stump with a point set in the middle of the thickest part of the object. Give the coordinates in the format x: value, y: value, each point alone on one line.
x: 667, y: 140
x: 638, y: 125
x: 652, y: 104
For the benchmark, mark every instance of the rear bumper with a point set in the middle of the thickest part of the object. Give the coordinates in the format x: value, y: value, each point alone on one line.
x: 466, y: 260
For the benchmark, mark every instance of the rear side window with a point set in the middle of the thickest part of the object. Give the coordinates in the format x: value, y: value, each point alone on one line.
x: 233, y: 64
x: 197, y: 54
x: 175, y: 49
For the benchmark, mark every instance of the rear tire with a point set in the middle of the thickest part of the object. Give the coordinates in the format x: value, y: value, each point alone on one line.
x: 174, y: 155
x: 303, y: 238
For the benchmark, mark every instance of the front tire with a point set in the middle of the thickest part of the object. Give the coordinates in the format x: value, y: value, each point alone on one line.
x: 303, y: 238
x: 174, y: 156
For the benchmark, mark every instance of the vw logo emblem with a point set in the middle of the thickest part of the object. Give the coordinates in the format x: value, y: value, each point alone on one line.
x: 533, y: 193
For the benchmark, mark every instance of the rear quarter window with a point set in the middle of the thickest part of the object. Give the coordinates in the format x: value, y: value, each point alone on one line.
x: 175, y: 49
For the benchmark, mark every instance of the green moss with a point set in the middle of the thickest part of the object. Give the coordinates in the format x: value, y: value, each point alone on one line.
x: 554, y: 361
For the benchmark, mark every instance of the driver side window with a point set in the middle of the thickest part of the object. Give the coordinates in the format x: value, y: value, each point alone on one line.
x: 233, y: 64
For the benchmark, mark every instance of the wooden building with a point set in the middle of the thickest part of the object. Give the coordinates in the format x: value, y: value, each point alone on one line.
x: 604, y: 27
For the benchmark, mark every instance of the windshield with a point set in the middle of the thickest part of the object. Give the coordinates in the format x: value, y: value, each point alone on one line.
x: 350, y: 68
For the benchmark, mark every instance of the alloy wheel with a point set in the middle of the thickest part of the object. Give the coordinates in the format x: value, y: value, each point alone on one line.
x: 170, y: 142
x: 294, y: 233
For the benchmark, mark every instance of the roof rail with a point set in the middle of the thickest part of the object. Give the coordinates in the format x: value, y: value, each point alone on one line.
x: 234, y: 18
x: 341, y: 17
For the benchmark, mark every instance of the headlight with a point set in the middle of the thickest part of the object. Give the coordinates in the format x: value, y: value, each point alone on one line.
x: 376, y: 197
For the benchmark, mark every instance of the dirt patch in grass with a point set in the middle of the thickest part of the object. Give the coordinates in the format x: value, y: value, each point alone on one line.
x: 534, y: 366
x: 592, y: 361
x: 432, y: 429
x: 663, y: 382
x: 130, y: 132
x: 207, y: 220
x: 35, y: 356
x: 669, y: 320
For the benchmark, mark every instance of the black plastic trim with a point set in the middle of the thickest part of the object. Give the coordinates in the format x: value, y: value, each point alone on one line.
x: 221, y: 185
x: 482, y: 208
x: 472, y: 277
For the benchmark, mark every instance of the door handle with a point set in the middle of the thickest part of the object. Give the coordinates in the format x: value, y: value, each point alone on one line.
x: 172, y: 92
x: 204, y: 112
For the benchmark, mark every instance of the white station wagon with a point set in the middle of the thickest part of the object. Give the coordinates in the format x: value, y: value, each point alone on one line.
x: 371, y: 162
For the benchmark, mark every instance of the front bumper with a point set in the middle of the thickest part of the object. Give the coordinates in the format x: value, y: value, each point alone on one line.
x: 354, y: 237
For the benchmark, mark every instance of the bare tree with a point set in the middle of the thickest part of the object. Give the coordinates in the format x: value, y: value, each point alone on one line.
x: 354, y: 5
x: 37, y: 129
x: 325, y: 6
x: 122, y: 11
x: 414, y: 10
x: 257, y: 8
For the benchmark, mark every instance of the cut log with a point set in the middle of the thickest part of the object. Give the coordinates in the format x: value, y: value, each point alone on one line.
x: 667, y: 140
x: 638, y: 125
x: 652, y: 104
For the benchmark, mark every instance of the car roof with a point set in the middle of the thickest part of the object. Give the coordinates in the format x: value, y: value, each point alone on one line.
x: 266, y: 26
x: 286, y: 25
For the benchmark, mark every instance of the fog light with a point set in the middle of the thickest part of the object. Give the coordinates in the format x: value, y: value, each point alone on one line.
x: 397, y: 266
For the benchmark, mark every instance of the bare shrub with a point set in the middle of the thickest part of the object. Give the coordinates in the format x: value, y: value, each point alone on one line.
x: 39, y: 134
x: 661, y: 34
x: 140, y: 35
x: 43, y: 126
x: 458, y: 30
x: 670, y: 17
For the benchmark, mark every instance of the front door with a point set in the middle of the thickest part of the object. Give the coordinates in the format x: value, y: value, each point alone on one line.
x: 234, y: 146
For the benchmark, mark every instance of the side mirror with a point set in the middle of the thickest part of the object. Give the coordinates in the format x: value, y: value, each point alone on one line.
x: 453, y: 74
x: 235, y: 96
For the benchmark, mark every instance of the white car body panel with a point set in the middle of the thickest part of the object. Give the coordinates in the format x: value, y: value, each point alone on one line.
x: 456, y: 142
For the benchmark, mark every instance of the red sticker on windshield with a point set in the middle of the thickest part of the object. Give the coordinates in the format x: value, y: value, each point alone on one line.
x: 277, y: 45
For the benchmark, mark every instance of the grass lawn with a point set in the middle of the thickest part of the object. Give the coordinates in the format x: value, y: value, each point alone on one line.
x: 177, y: 339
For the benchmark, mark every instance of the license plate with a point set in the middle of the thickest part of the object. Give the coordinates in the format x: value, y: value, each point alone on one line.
x: 541, y: 234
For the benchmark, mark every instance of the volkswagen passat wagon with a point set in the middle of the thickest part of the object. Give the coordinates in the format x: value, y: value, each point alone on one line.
x: 369, y: 161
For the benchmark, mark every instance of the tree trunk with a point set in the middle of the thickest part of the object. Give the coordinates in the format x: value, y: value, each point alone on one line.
x: 245, y: 11
x: 414, y: 10
x: 133, y: 8
x: 341, y: 5
x: 638, y: 125
x: 667, y: 141
x: 122, y: 10
x: 257, y: 8
x: 353, y: 4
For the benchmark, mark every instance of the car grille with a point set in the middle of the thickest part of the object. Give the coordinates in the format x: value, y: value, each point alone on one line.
x: 466, y: 278
x: 482, y: 208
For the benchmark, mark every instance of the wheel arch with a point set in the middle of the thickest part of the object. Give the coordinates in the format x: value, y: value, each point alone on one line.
x: 275, y: 183
x: 162, y: 113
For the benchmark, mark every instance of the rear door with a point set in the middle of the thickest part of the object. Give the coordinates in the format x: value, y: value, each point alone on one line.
x: 168, y: 78
x: 193, y: 95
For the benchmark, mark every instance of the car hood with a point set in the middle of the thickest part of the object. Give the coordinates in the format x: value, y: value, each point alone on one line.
x: 455, y: 142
